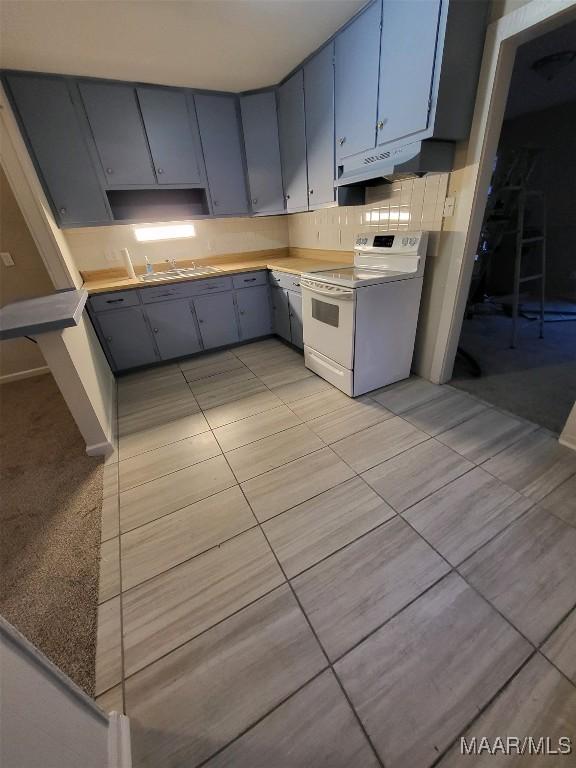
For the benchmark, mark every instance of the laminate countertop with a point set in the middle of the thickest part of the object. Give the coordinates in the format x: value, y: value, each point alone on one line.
x: 100, y: 283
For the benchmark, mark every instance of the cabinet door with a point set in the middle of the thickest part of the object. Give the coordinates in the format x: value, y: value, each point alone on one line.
x: 406, y: 70
x: 174, y: 328
x: 356, y: 77
x: 116, y: 124
x: 296, y: 332
x: 128, y: 338
x: 223, y: 152
x: 254, y: 312
x: 260, y: 124
x: 53, y: 129
x: 217, y: 318
x: 319, y: 97
x: 292, y: 131
x: 172, y: 132
x: 280, y: 312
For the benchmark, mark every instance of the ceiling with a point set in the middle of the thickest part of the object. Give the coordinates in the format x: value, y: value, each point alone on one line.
x: 529, y: 91
x: 230, y: 45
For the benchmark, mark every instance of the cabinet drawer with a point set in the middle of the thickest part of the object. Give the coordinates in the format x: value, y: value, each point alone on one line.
x: 201, y: 287
x: 285, y: 280
x: 249, y: 279
x: 116, y: 300
x: 165, y: 292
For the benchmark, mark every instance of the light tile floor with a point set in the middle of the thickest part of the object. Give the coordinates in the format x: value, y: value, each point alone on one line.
x: 291, y: 578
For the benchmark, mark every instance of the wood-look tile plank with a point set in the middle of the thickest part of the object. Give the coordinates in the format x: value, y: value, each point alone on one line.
x: 110, y: 522
x: 179, y: 604
x: 272, y: 452
x: 355, y: 590
x: 320, y: 404
x: 163, y: 461
x: 263, y: 347
x: 560, y: 647
x: 423, y: 676
x: 296, y: 482
x: 288, y: 393
x: 112, y: 700
x: 157, y: 416
x: 267, y: 362
x: 536, y: 466
x: 133, y: 401
x: 485, y: 435
x: 242, y: 408
x: 149, y: 380
x: 374, y: 445
x: 253, y: 428
x: 353, y: 417
x: 290, y: 737
x: 408, y: 478
x: 151, y: 500
x: 219, y: 381
x: 528, y: 572
x: 209, y: 365
x: 537, y: 703
x: 108, y: 646
x: 406, y: 394
x: 444, y: 412
x: 562, y: 501
x: 463, y: 515
x: 230, y: 392
x: 285, y: 373
x: 151, y: 437
x: 109, y: 583
x: 174, y: 538
x: 318, y: 527
x: 197, y: 699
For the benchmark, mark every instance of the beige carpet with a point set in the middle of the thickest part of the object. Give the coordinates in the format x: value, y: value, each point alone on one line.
x: 50, y: 507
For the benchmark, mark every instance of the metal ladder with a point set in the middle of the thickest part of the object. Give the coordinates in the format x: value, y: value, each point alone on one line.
x: 507, y: 206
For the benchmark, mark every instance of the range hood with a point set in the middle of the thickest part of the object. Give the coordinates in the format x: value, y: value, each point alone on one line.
x: 405, y: 161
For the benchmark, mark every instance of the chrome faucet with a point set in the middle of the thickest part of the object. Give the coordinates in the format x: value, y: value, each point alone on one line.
x: 172, y: 262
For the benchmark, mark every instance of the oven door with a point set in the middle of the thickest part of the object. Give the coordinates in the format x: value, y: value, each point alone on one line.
x: 328, y: 319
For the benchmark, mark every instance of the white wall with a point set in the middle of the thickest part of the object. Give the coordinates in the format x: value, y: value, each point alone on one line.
x: 46, y: 720
x: 568, y: 436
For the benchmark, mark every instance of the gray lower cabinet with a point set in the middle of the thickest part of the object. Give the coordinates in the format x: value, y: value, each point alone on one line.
x: 217, y: 319
x: 254, y: 312
x: 174, y: 328
x: 296, y: 330
x: 280, y: 312
x: 221, y: 136
x: 54, y: 132
x: 127, y: 337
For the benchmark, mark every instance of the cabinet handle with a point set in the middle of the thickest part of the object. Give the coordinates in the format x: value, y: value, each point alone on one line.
x: 341, y: 140
x: 254, y: 200
x: 310, y: 191
x: 249, y: 279
x: 109, y: 170
x: 287, y: 197
x: 242, y: 312
x: 216, y: 202
x: 380, y: 124
x: 200, y: 321
x: 155, y: 330
x: 108, y: 338
x: 114, y: 301
x: 62, y: 211
x: 160, y: 170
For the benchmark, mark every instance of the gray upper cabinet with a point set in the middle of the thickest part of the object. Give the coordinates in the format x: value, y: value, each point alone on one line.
x: 172, y: 130
x: 292, y: 130
x: 223, y: 152
x: 127, y: 338
x: 118, y: 131
x: 217, y: 319
x: 356, y: 78
x: 406, y: 68
x: 254, y: 312
x: 53, y: 129
x: 319, y: 99
x: 174, y: 328
x: 260, y: 124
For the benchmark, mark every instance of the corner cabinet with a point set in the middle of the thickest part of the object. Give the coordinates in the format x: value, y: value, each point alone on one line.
x: 53, y: 129
x: 286, y: 299
x: 220, y: 131
x: 254, y: 312
x: 292, y: 130
x: 127, y: 338
x: 260, y: 125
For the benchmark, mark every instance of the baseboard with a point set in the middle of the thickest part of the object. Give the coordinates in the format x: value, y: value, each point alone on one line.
x: 28, y: 374
x: 100, y: 449
x: 119, y: 747
x: 568, y: 443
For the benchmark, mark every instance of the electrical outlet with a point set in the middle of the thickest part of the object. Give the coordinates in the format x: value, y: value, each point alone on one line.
x: 7, y: 259
x: 449, y: 205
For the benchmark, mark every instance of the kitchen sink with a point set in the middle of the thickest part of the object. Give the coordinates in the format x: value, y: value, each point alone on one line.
x: 176, y: 273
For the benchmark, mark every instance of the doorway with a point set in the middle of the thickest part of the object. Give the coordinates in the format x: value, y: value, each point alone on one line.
x: 517, y: 347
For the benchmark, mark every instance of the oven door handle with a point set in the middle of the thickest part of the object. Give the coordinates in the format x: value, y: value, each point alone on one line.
x: 345, y: 295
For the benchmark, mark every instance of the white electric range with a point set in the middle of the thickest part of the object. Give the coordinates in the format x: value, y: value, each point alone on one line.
x: 360, y: 321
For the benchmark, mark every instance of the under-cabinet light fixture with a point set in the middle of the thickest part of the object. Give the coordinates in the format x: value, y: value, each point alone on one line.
x: 164, y: 232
